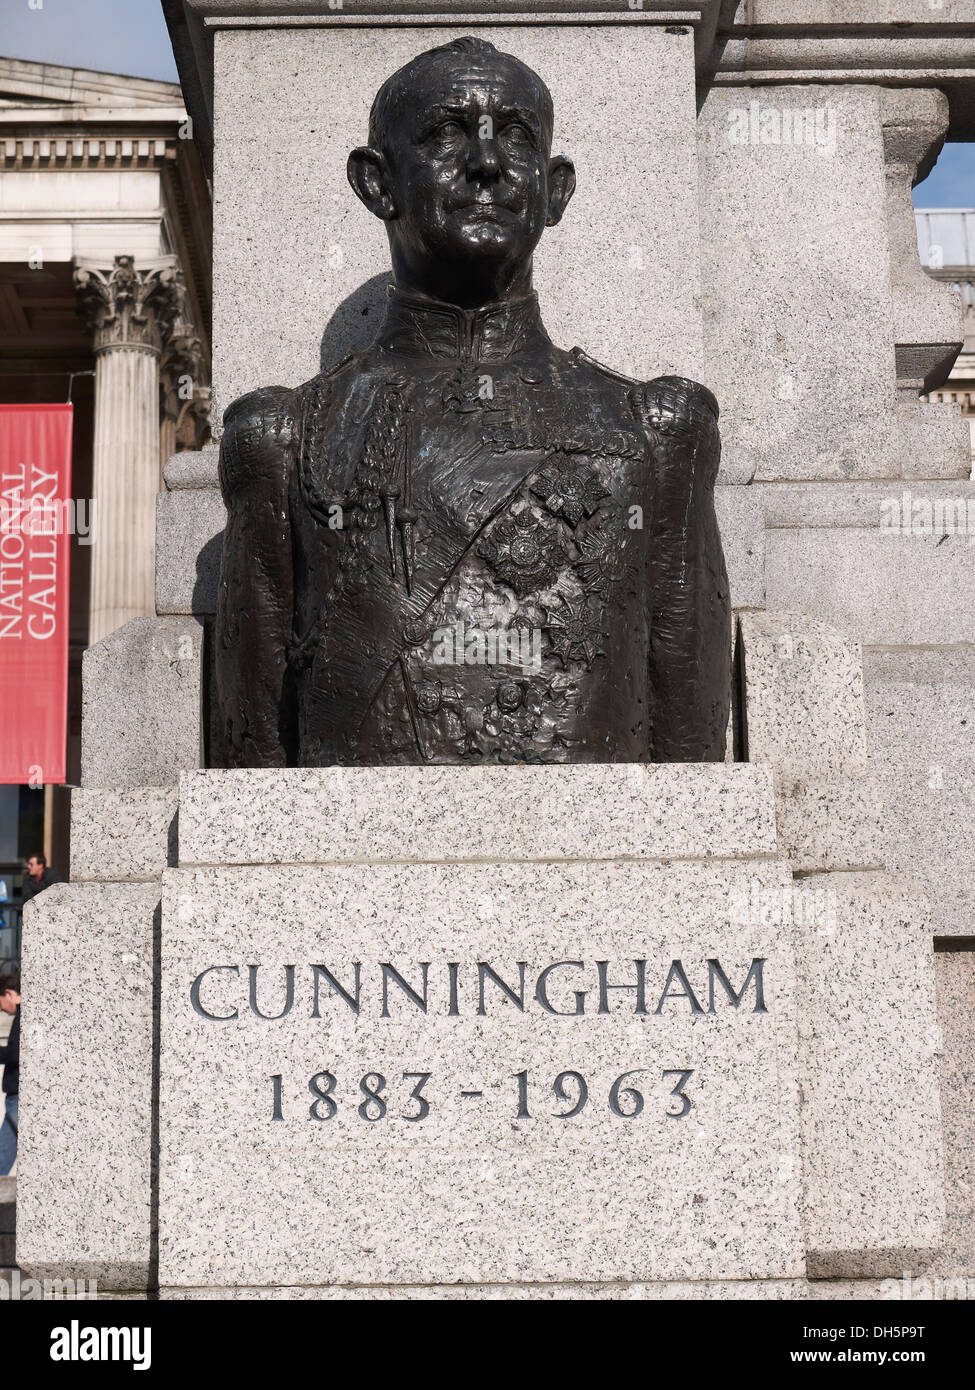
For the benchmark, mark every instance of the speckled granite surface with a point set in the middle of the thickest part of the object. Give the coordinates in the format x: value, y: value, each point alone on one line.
x: 122, y: 836
x: 594, y: 811
x: 870, y: 1046
x: 142, y: 704
x: 83, y: 1192
x: 471, y: 1192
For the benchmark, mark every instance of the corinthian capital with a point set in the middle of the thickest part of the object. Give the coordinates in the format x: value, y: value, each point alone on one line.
x: 126, y: 306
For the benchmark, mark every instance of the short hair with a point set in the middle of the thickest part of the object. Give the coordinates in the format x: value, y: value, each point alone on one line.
x: 9, y: 982
x: 385, y: 99
x: 40, y: 859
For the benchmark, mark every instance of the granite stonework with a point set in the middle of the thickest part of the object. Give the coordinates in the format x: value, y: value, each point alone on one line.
x: 84, y: 1158
x: 471, y: 1192
x: 742, y: 526
x: 803, y: 696
x: 706, y: 1289
x: 122, y: 836
x: 142, y: 707
x: 784, y: 314
x: 870, y: 1050
x: 955, y: 976
x: 810, y: 1166
x: 803, y: 716
x: 889, y: 589
x: 491, y: 814
x: 189, y: 540
x: 619, y: 276
x: 884, y: 504
x: 195, y: 468
x: 921, y: 728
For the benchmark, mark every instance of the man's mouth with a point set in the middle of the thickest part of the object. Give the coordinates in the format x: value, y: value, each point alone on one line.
x: 483, y: 211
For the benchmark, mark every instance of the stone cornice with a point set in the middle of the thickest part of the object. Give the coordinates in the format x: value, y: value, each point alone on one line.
x: 37, y: 82
x: 893, y: 46
x: 83, y: 153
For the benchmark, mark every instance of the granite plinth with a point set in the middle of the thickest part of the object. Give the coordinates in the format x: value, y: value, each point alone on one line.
x: 879, y: 585
x: 189, y: 539
x: 922, y: 751
x: 585, y: 811
x: 84, y: 1159
x: 804, y: 718
x: 475, y: 1190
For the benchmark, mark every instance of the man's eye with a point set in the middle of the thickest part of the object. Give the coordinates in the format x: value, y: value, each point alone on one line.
x: 516, y: 134
x: 450, y: 130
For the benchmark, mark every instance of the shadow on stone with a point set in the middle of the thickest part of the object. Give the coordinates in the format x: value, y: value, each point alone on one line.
x: 355, y: 322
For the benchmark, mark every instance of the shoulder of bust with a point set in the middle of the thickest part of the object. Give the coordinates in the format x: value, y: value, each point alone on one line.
x: 266, y: 408
x: 671, y: 403
x: 582, y: 359
x: 258, y: 432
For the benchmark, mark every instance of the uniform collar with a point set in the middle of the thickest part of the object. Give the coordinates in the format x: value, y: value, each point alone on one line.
x: 430, y: 327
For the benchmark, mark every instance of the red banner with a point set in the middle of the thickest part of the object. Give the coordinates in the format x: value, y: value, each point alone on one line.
x: 35, y: 526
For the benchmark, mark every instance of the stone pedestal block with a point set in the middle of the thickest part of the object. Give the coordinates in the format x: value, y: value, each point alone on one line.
x: 742, y: 525
x: 84, y: 1161
x: 921, y: 723
x: 490, y: 814
x: 870, y: 1048
x: 804, y: 718
x: 454, y: 1106
x: 142, y: 705
x: 878, y: 584
x: 189, y: 539
x: 786, y: 315
x: 127, y: 836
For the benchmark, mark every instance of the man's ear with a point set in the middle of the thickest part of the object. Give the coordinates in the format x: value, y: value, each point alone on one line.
x: 369, y: 176
x: 561, y: 186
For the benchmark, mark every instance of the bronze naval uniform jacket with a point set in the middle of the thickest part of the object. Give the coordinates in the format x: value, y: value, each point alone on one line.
x: 466, y: 545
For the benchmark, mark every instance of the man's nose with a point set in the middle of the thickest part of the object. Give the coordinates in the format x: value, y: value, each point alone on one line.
x: 482, y: 160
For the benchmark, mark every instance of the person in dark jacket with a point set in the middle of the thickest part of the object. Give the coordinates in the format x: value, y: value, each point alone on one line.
x: 38, y: 877
x: 10, y: 1061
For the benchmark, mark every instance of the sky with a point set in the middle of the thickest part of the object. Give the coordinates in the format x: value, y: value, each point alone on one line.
x: 951, y: 183
x: 130, y: 36
x: 126, y: 36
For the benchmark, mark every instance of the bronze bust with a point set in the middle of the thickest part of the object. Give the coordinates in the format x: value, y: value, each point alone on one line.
x: 466, y: 545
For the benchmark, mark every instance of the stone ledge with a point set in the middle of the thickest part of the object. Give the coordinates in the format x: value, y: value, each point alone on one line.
x: 860, y: 504
x: 734, y: 1289
x: 196, y: 469
x: 889, y: 590
x: 142, y: 704
x: 481, y: 814
x: 122, y: 836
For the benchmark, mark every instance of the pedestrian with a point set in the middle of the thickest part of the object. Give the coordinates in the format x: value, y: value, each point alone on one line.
x: 10, y: 1061
x: 37, y: 878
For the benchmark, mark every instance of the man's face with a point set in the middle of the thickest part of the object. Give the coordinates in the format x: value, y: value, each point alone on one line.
x: 9, y: 1002
x: 467, y: 168
x: 34, y: 867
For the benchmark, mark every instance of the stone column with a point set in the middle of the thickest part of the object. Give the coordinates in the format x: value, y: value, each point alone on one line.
x: 184, y: 400
x: 131, y: 312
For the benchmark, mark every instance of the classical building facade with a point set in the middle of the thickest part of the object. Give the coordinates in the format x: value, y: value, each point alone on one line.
x: 946, y: 242
x: 105, y: 255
